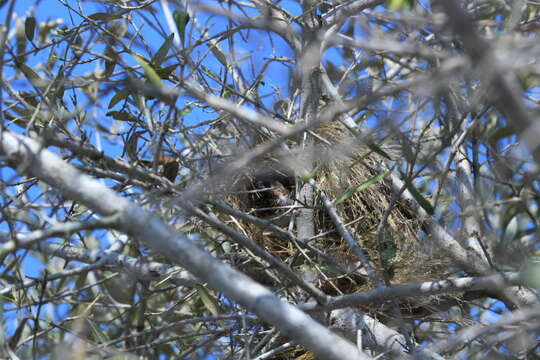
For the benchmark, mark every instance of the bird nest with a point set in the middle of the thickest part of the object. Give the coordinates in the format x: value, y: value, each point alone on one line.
x: 365, y: 196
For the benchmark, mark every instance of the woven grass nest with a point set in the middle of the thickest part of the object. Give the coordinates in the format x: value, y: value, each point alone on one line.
x: 403, y: 254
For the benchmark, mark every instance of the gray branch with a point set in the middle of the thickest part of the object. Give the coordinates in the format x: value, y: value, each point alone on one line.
x: 504, y: 94
x: 29, y: 158
x: 428, y: 288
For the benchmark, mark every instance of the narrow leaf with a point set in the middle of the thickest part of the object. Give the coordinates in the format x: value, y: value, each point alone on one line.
x: 209, y: 73
x: 531, y: 275
x: 81, y: 280
x: 121, y: 115
x: 399, y: 4
x: 111, y: 63
x: 377, y: 149
x: 406, y: 150
x: 31, y: 75
x: 181, y: 18
x: 150, y: 73
x: 351, y: 191
x: 16, y: 337
x: 103, y: 16
x: 59, y: 84
x: 165, y: 72
x: 218, y: 54
x: 422, y: 201
x: 511, y: 230
x: 501, y: 133
x: 30, y: 27
x: 120, y: 95
x: 186, y: 110
x: 210, y: 303
x: 160, y: 55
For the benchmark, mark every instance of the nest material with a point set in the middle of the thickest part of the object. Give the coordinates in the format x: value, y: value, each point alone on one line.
x: 403, y: 254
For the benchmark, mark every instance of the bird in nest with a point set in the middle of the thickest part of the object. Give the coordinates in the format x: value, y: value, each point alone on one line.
x: 273, y: 201
x: 280, y: 198
x: 280, y: 194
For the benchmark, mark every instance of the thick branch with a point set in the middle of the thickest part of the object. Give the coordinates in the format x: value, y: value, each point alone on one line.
x: 429, y: 288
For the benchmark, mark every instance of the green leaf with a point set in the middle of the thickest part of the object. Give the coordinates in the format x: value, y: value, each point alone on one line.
x: 59, y: 84
x: 130, y: 146
x: 118, y: 291
x: 150, y: 73
x: 209, y: 73
x: 81, y: 280
x: 109, y: 64
x: 165, y: 72
x: 160, y: 55
x: 119, y: 96
x: 422, y: 201
x: 218, y: 54
x: 531, y: 275
x: 511, y: 230
x: 97, y: 333
x: 51, y: 61
x: 22, y: 119
x: 181, y: 18
x: 406, y: 150
x: 29, y: 98
x: 399, y: 4
x: 389, y: 251
x: 21, y: 42
x: 305, y: 176
x: 351, y: 191
x: 103, y: 16
x: 325, y: 7
x: 30, y: 27
x: 31, y: 75
x: 186, y: 110
x: 377, y: 149
x: 109, y: 68
x: 121, y: 115
x: 63, y: 31
x: 501, y: 133
x: 78, y: 211
x: 102, y: 163
x: 210, y: 302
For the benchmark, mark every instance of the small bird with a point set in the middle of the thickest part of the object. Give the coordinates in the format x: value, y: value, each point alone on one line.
x: 281, y: 194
